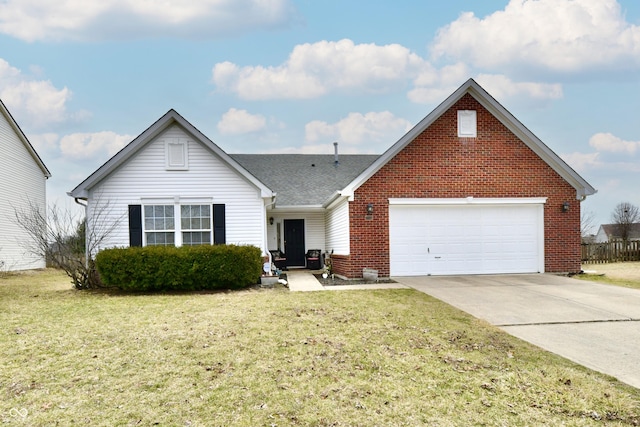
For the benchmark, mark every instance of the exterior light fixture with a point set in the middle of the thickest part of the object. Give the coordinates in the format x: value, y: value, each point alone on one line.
x: 370, y: 209
x: 271, y: 220
x: 565, y: 207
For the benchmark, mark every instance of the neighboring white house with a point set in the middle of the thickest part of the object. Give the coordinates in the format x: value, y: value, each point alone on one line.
x: 608, y: 232
x: 23, y: 178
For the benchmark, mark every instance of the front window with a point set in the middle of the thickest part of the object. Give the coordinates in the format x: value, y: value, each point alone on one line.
x: 195, y: 221
x: 177, y: 225
x: 159, y: 223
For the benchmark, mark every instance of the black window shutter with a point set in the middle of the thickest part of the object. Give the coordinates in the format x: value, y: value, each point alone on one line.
x: 135, y: 225
x: 219, y: 234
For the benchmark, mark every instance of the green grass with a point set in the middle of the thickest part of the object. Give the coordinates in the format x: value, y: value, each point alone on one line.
x: 275, y: 358
x: 603, y: 278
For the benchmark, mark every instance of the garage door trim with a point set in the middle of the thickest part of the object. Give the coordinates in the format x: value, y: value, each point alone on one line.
x: 471, y: 201
x: 535, y: 231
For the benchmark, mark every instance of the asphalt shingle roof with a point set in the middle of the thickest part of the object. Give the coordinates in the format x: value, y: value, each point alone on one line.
x: 304, y: 179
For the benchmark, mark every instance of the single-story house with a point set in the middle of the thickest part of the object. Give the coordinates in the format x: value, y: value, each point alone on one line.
x: 608, y: 232
x: 23, y: 184
x: 468, y: 190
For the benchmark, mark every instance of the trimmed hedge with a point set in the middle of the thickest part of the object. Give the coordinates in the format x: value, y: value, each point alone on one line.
x: 188, y: 268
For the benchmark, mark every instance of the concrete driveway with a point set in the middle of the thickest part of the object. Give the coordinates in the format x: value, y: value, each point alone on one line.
x: 595, y: 325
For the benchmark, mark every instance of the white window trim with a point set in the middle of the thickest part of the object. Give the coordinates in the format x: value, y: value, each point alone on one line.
x: 144, y: 226
x: 199, y: 230
x: 467, y: 124
x: 177, y: 216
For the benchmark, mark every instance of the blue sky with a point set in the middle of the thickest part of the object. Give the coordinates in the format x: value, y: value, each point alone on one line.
x: 84, y: 77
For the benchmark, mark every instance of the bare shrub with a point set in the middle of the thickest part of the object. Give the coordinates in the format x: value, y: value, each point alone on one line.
x: 60, y: 236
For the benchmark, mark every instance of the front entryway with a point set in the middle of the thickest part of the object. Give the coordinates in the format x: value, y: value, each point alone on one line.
x: 294, y: 242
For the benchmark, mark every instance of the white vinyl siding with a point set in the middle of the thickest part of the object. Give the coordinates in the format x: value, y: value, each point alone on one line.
x: 337, y: 228
x: 144, y: 177
x: 22, y: 181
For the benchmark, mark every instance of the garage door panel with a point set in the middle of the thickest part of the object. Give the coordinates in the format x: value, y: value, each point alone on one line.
x: 476, y: 239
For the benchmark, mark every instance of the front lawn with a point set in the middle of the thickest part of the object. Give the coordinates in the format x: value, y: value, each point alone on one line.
x: 275, y: 358
x: 625, y: 274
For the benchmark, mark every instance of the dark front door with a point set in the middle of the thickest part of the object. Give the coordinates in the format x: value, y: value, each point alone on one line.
x: 294, y: 242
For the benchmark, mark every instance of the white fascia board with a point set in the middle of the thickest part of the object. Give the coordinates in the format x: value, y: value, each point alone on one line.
x: 336, y: 198
x: 151, y: 133
x: 25, y: 141
x: 582, y: 187
x: 203, y: 139
x: 300, y: 208
x: 470, y: 201
x: 124, y: 154
x: 554, y: 161
x: 406, y: 139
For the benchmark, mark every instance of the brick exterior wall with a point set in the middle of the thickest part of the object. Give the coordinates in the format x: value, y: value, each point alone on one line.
x: 438, y: 164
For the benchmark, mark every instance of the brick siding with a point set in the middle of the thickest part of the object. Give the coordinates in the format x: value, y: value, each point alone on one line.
x: 438, y: 164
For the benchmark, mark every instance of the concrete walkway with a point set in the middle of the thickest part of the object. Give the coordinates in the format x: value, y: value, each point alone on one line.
x: 304, y: 281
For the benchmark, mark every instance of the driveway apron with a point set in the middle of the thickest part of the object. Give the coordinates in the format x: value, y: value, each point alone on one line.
x: 595, y: 325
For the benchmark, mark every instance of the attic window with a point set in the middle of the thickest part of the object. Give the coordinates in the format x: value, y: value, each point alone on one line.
x: 467, y: 124
x: 177, y: 155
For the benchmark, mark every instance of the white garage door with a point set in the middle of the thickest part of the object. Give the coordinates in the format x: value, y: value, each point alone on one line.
x: 466, y: 238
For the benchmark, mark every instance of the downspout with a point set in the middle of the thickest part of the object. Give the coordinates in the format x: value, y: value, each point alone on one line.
x: 86, y: 233
x: 266, y: 233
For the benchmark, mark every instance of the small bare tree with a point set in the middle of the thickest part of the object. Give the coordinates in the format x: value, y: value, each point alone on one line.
x: 60, y: 237
x: 624, y: 215
x: 587, y: 224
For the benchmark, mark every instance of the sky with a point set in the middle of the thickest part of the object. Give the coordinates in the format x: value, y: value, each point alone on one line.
x: 84, y: 77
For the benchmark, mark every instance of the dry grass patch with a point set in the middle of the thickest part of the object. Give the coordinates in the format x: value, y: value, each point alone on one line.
x: 625, y: 274
x: 270, y: 357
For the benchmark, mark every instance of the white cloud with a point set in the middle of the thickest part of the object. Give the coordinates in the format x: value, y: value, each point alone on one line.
x: 47, y: 20
x: 582, y: 162
x: 236, y: 122
x: 34, y: 103
x: 613, y: 144
x: 359, y: 132
x: 503, y: 88
x: 433, y: 85
x: 612, y: 154
x: 91, y: 145
x: 315, y: 69
x: 44, y: 142
x: 557, y: 35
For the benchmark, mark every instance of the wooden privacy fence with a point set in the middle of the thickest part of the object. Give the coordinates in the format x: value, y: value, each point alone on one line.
x: 612, y: 251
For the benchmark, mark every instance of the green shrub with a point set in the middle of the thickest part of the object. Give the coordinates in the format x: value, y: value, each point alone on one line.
x: 167, y: 268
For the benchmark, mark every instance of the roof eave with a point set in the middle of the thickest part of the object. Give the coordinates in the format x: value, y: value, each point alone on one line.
x: 34, y: 154
x: 406, y: 139
x: 583, y: 188
x: 299, y: 207
x: 148, y: 135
